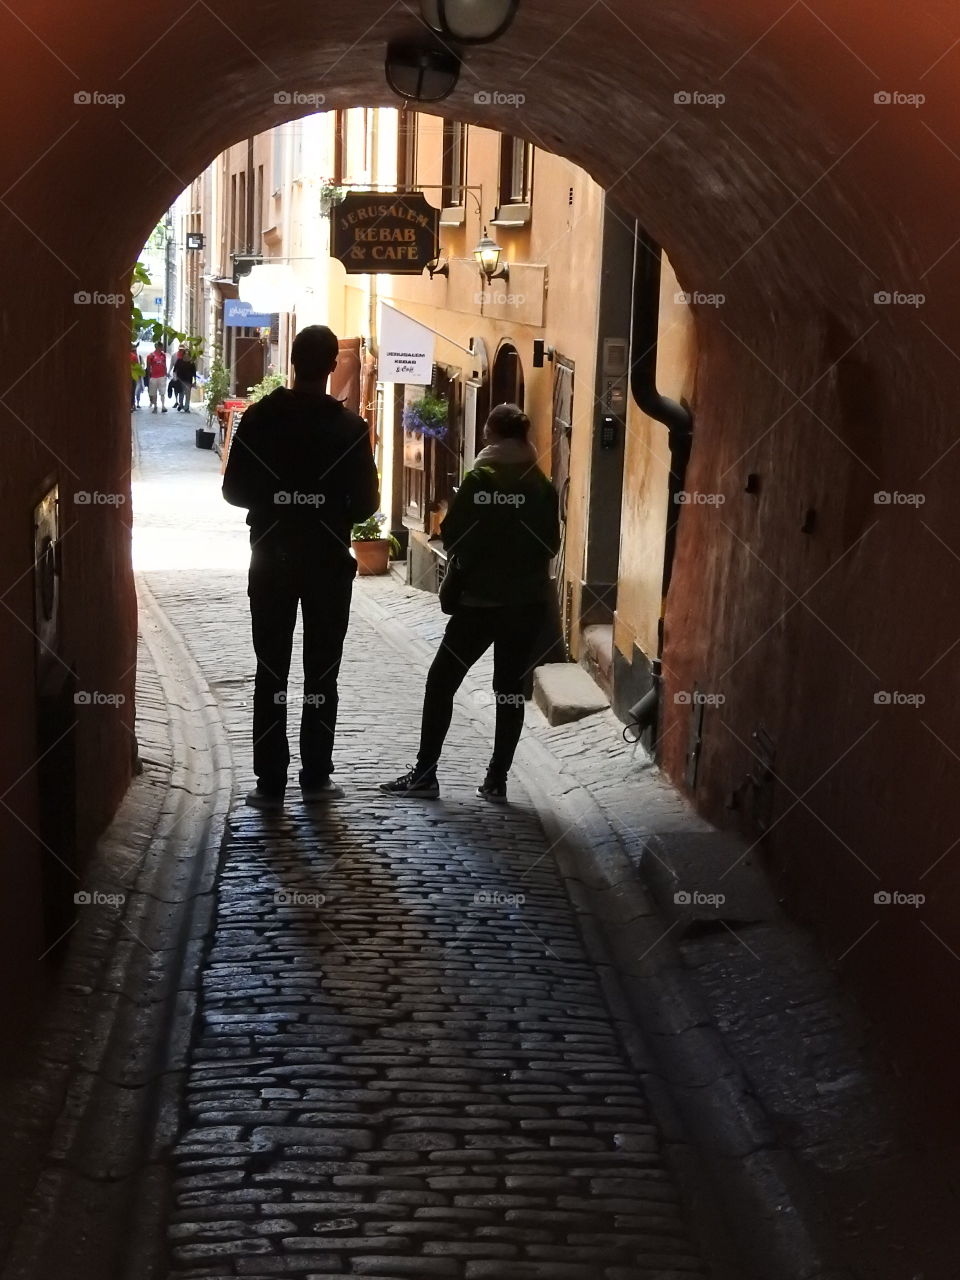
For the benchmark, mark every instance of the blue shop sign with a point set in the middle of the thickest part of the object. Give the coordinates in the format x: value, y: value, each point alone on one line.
x: 240, y: 315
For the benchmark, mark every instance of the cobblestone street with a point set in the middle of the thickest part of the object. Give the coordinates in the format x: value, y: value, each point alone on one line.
x: 405, y: 1064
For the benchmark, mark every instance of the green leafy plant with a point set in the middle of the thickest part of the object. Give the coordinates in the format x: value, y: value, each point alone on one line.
x: 427, y: 416
x: 330, y: 194
x: 264, y: 388
x: 218, y: 386
x: 371, y: 530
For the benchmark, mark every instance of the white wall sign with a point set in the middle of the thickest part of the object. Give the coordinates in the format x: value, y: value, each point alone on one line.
x: 406, y: 348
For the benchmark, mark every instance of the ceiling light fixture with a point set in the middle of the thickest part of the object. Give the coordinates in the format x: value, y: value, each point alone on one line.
x: 469, y: 21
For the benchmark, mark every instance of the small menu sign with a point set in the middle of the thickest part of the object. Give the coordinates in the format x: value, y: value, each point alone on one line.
x: 375, y: 232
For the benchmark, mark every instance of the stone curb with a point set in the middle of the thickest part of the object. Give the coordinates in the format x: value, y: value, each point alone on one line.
x: 99, y: 1206
x: 748, y: 1193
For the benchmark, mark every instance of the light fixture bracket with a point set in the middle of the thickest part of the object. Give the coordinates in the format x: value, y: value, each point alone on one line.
x: 469, y: 21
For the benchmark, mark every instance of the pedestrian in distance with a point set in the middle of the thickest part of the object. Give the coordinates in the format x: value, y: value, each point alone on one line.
x: 135, y: 381
x: 184, y: 376
x: 157, y: 378
x: 501, y: 532
x: 302, y: 465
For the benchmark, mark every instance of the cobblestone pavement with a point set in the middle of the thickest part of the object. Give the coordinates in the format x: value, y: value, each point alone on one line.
x: 404, y: 1065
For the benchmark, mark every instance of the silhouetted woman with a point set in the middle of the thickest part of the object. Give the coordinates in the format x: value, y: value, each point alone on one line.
x: 501, y: 533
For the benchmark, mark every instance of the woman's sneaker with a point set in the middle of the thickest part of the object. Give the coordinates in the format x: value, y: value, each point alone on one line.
x: 418, y: 786
x: 493, y: 788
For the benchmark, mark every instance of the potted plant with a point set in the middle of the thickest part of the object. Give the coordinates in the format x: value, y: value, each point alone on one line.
x: 370, y: 547
x: 427, y: 416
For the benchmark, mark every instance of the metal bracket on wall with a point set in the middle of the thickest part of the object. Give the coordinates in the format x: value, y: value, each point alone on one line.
x: 761, y: 778
x: 695, y: 741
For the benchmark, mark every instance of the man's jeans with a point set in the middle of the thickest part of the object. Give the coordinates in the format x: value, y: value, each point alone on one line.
x: 182, y: 392
x: 283, y: 575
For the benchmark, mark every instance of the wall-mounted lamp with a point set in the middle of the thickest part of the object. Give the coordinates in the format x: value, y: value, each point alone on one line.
x: 469, y: 21
x: 487, y: 257
x: 421, y: 72
x: 436, y: 268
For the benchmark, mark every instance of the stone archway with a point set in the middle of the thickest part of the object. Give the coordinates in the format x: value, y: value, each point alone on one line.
x: 811, y: 197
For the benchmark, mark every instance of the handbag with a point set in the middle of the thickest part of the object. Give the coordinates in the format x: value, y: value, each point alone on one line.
x: 451, y: 586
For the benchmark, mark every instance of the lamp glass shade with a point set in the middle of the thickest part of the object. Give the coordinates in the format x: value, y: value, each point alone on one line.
x: 487, y: 255
x: 469, y: 21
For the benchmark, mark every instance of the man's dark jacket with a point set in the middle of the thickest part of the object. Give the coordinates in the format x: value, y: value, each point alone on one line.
x: 303, y: 466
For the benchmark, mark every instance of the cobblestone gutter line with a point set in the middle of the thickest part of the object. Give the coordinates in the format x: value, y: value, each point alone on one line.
x: 112, y: 1055
x: 744, y: 1183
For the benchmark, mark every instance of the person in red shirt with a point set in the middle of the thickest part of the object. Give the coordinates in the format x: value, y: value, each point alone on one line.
x: 157, y: 378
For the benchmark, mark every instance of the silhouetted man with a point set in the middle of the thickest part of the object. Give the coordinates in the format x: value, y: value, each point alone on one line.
x: 302, y: 464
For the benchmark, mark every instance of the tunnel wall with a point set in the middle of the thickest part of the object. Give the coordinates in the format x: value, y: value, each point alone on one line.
x: 799, y: 198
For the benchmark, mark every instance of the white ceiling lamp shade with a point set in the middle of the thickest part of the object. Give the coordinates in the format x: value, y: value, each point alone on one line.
x: 469, y: 21
x: 270, y: 287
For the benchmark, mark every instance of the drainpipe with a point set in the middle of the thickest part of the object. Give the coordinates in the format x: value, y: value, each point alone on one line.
x: 679, y: 423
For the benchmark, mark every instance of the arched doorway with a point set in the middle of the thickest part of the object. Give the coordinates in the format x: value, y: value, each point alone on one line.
x: 507, y: 384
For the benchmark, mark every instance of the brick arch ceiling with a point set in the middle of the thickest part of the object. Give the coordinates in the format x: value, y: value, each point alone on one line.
x: 799, y: 197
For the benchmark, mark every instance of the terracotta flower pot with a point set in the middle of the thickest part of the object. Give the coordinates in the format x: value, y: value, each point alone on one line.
x: 372, y: 557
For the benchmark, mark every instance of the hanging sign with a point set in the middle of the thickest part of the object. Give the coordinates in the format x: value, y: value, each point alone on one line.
x: 372, y: 232
x: 406, y: 348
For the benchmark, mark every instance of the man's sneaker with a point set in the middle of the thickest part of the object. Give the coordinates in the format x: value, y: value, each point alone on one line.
x: 418, y: 786
x: 258, y: 799
x: 494, y: 789
x: 322, y: 792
